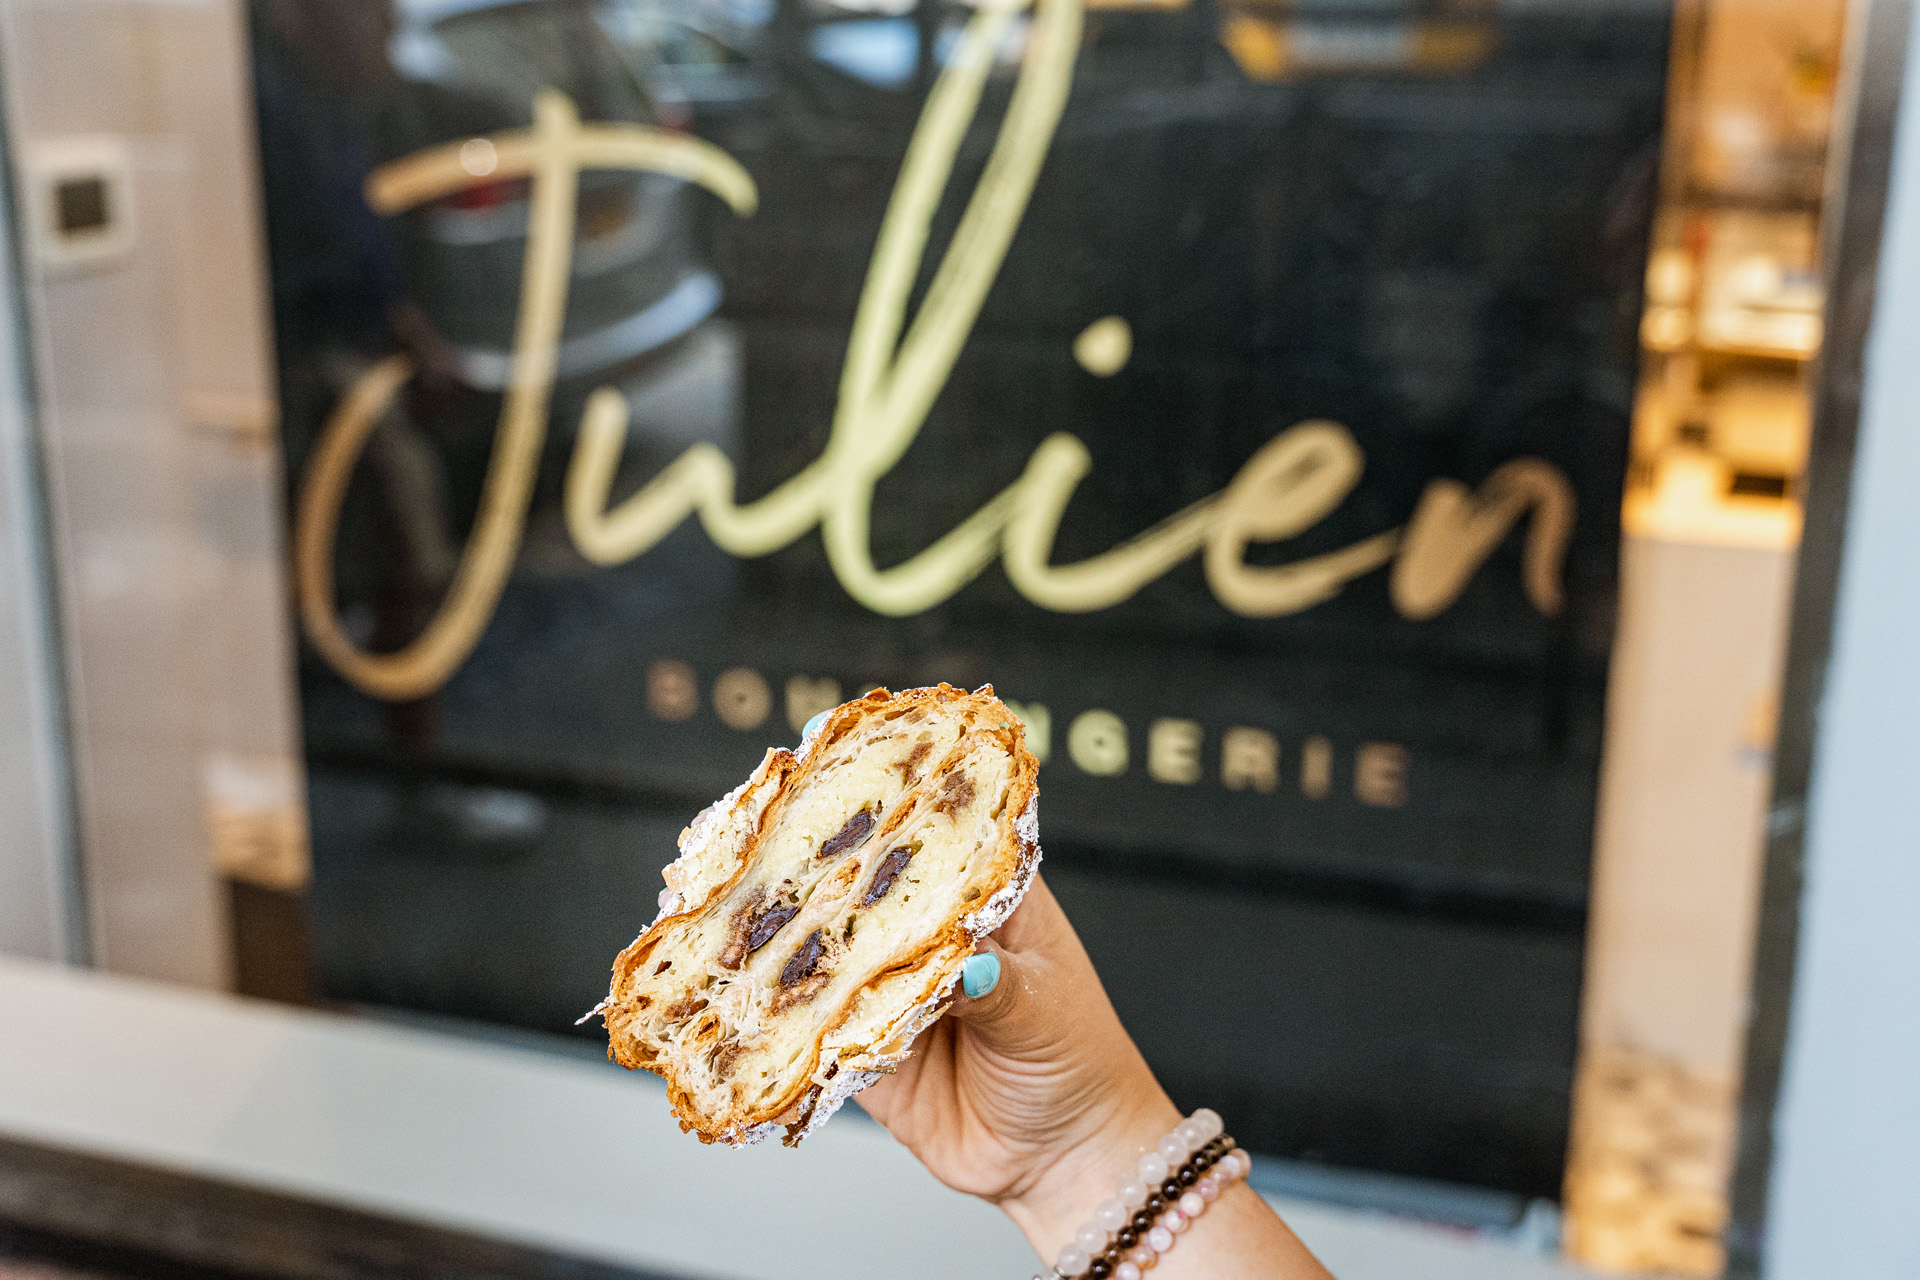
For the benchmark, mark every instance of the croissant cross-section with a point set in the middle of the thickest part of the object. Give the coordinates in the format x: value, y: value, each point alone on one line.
x: 817, y: 917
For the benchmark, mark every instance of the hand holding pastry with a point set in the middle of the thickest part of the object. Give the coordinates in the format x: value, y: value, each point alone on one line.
x: 1032, y: 1096
x: 813, y: 931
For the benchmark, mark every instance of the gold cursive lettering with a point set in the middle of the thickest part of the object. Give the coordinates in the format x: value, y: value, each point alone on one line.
x: 889, y: 383
x: 1295, y: 480
x: 1452, y: 532
x: 552, y: 154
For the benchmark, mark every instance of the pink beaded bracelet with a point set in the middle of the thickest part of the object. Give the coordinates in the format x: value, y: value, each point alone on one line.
x: 1172, y: 1185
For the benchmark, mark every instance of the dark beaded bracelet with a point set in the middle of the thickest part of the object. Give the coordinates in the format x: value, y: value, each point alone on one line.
x: 1125, y: 1247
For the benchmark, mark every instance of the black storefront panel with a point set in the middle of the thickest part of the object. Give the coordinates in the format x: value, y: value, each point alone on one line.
x: 1291, y: 423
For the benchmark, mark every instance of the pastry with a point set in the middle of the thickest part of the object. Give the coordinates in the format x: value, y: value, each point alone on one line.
x: 817, y: 917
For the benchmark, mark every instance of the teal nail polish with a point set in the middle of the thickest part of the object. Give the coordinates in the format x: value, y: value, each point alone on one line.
x: 980, y: 974
x: 811, y: 725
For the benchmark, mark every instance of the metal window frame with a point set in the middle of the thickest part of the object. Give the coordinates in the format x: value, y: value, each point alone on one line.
x: 42, y: 902
x: 1872, y: 81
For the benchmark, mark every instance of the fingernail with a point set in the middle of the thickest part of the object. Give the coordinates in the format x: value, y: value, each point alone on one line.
x: 980, y: 974
x: 811, y: 725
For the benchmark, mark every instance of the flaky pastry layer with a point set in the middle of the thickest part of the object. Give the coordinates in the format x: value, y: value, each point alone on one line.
x: 817, y: 917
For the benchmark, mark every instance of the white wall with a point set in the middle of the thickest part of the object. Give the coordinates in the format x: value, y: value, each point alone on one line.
x: 34, y: 873
x: 1845, y: 1191
x: 154, y: 412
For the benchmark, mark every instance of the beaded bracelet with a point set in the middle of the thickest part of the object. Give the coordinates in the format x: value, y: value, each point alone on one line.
x: 1128, y: 1233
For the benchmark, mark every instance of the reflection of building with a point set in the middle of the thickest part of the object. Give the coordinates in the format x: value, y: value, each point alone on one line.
x: 1712, y: 521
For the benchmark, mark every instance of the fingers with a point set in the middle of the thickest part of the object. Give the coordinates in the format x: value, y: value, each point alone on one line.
x: 1021, y: 1017
x: 999, y: 983
x: 1031, y: 919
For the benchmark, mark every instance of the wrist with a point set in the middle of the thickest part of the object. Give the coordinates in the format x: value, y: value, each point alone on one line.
x: 1058, y: 1199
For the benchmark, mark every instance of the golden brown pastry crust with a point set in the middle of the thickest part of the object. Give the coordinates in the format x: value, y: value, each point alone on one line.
x: 718, y: 850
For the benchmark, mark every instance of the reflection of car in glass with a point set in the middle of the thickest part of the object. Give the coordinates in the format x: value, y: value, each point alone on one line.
x: 640, y: 277
x: 696, y: 56
x: 639, y: 280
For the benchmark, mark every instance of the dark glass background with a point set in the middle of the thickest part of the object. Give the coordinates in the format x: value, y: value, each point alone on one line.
x: 1443, y: 257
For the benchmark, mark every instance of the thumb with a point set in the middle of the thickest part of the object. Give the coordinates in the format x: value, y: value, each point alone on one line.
x: 991, y: 986
x: 1020, y: 1000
